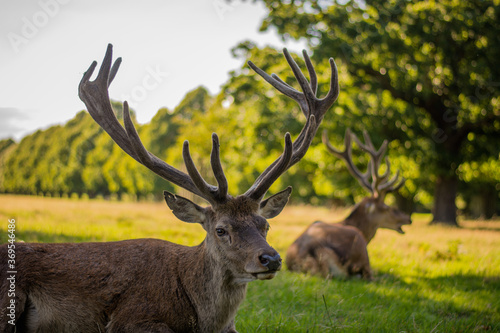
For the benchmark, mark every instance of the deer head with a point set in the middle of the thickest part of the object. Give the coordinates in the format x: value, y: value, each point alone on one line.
x: 372, y: 212
x: 236, y: 226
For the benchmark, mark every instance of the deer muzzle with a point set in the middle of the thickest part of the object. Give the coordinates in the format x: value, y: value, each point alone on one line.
x: 266, y: 266
x: 273, y: 263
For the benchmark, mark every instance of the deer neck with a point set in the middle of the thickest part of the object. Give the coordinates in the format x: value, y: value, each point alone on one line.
x: 360, y: 219
x: 217, y: 295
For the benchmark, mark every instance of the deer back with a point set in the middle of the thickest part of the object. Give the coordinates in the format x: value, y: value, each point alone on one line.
x: 329, y: 250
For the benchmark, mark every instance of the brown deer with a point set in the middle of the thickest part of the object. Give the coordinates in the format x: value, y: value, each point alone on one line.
x: 150, y: 285
x: 340, y: 249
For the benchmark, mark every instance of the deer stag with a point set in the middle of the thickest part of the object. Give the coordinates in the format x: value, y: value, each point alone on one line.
x: 340, y: 249
x: 148, y: 285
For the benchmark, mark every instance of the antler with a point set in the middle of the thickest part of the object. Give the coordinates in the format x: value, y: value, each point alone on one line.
x: 96, y: 97
x: 380, y: 184
x: 346, y: 155
x: 313, y: 108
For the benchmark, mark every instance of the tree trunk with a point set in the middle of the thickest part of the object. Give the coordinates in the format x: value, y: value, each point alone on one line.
x: 490, y: 201
x: 483, y: 204
x: 445, y: 208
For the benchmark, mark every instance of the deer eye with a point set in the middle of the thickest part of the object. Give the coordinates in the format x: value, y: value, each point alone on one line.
x: 220, y: 232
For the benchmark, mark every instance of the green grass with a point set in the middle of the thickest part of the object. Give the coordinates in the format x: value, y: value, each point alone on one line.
x: 433, y: 279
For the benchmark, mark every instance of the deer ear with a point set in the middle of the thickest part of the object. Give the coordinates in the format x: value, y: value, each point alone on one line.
x: 273, y: 205
x: 184, y: 209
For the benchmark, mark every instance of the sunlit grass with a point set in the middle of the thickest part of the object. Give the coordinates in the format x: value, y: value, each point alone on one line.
x: 62, y: 220
x: 433, y: 278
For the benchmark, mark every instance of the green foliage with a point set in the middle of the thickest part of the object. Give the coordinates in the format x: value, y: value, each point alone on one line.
x: 75, y: 158
x: 5, y: 144
x: 423, y: 73
x: 6, y: 147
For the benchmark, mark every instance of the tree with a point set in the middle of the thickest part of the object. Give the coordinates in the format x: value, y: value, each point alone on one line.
x: 6, y: 147
x: 437, y: 58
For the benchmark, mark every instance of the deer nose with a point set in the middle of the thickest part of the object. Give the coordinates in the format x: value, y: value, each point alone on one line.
x: 273, y: 263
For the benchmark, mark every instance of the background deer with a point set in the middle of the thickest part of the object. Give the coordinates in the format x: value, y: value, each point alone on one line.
x: 149, y: 285
x: 340, y: 249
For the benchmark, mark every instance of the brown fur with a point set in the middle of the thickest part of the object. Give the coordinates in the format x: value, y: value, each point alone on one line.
x: 341, y: 249
x: 329, y: 250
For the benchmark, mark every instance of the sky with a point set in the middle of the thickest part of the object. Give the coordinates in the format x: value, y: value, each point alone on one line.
x: 168, y: 48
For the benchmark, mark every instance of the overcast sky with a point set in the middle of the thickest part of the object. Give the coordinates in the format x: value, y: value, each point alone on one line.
x: 168, y: 48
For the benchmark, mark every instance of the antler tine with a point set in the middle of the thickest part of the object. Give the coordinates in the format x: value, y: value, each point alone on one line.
x: 334, y: 91
x: 387, y: 169
x: 332, y: 149
x: 376, y: 157
x: 104, y: 71
x: 114, y: 70
x: 390, y: 185
x: 95, y: 96
x: 278, y: 84
x: 208, y: 191
x: 370, y: 148
x: 221, y: 193
x: 346, y: 155
x: 276, y: 77
x: 313, y: 108
x: 308, y: 95
x: 312, y: 72
x: 143, y: 155
x: 368, y: 140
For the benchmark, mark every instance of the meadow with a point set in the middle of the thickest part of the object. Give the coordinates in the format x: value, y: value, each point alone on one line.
x: 432, y: 279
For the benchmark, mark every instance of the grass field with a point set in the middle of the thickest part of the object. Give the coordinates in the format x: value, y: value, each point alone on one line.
x: 433, y: 279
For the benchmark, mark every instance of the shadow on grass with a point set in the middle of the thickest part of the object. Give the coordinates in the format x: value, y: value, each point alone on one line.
x: 297, y: 303
x: 465, y: 283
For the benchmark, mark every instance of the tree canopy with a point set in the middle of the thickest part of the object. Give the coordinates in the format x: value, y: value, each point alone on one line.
x: 433, y: 62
